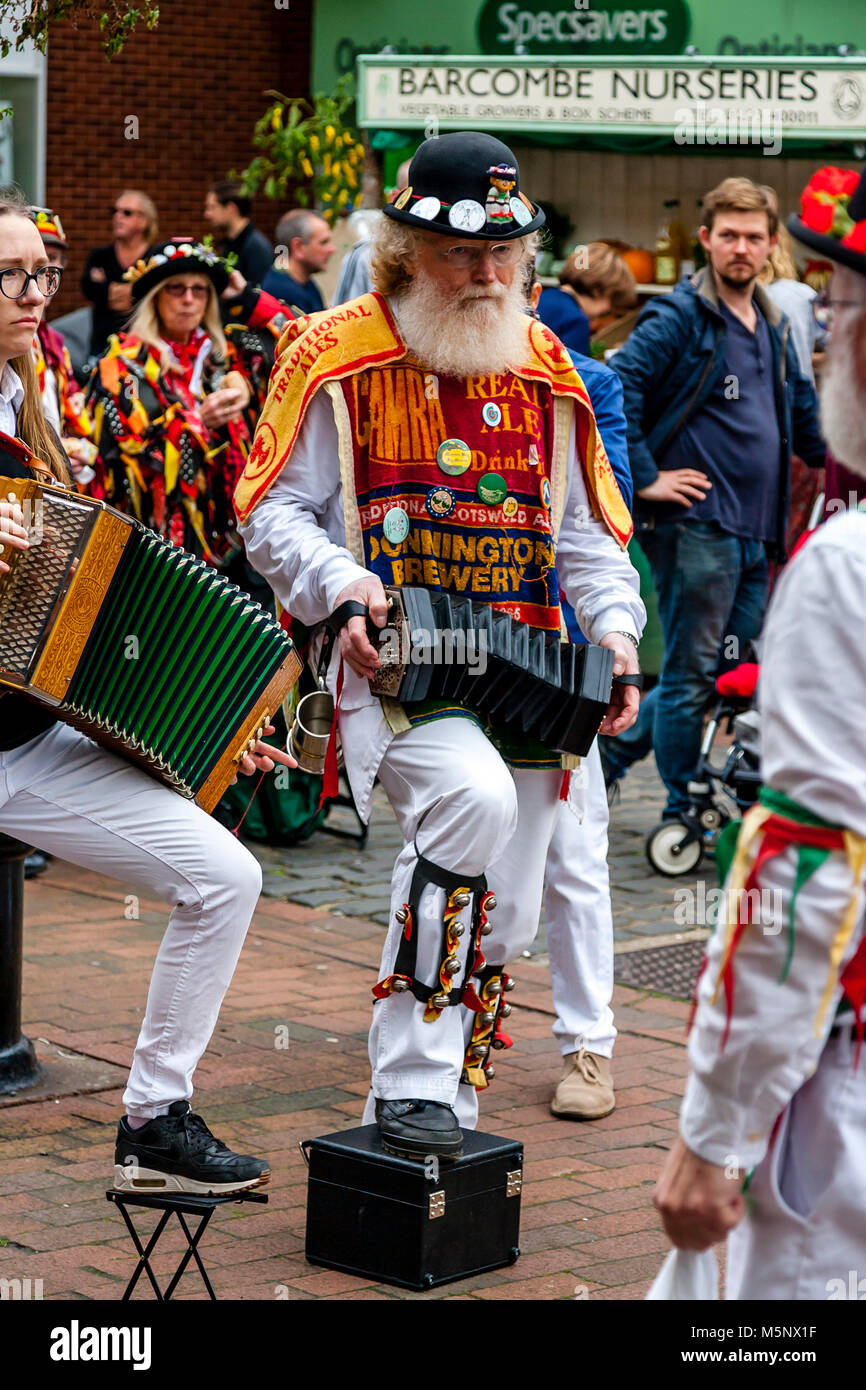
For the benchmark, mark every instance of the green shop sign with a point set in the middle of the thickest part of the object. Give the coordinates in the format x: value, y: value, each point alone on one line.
x: 536, y: 26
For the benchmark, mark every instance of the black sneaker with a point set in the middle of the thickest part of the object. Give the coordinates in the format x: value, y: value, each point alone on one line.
x: 177, y: 1153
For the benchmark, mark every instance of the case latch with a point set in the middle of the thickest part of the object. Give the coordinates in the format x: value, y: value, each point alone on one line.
x: 514, y: 1183
x: 436, y: 1205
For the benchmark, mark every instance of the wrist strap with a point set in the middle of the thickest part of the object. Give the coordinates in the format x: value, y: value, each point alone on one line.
x: 636, y: 680
x: 352, y: 608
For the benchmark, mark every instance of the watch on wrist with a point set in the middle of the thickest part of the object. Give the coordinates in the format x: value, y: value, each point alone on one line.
x: 630, y: 635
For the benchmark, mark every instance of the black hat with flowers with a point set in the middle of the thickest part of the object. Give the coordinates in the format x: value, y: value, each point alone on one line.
x: 466, y: 185
x: 180, y: 255
x: 833, y: 216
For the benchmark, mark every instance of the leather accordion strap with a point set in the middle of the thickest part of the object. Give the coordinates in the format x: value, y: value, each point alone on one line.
x: 636, y: 680
x: 352, y: 608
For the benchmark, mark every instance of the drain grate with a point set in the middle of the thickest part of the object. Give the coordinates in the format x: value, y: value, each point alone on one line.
x: 665, y: 969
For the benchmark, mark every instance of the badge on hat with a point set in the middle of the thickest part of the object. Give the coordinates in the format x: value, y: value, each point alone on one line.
x: 498, y: 207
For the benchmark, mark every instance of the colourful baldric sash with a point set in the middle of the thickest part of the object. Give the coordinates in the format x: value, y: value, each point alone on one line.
x: 773, y: 825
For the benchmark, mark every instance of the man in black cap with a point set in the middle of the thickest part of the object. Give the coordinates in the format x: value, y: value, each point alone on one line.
x: 430, y: 434
x: 774, y: 1089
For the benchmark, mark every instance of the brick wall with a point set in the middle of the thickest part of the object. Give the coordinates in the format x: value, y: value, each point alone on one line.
x: 196, y: 84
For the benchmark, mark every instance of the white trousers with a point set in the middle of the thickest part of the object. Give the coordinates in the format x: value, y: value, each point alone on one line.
x: 804, y: 1236
x: 579, y: 922
x: 457, y: 800
x: 63, y: 794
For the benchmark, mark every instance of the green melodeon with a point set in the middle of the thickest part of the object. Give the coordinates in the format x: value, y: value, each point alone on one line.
x: 147, y: 650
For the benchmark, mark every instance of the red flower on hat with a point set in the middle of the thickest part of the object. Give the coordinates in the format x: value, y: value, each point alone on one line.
x: 856, y: 238
x: 837, y: 182
x: 818, y: 210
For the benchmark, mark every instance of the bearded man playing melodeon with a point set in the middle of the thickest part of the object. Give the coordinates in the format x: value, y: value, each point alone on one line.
x: 430, y: 434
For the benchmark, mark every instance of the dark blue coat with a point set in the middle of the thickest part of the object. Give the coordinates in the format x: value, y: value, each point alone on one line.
x: 674, y: 359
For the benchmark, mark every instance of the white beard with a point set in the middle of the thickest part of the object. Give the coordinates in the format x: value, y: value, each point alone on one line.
x: 464, y: 334
x: 843, y: 394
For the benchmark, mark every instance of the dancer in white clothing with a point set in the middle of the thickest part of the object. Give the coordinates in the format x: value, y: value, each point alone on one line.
x: 775, y: 1089
x: 63, y: 794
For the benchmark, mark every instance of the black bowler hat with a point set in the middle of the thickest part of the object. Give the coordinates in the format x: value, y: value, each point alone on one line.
x: 178, y: 256
x: 833, y: 217
x: 466, y: 185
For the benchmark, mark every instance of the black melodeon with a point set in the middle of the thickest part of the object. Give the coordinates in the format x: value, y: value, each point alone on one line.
x: 440, y: 646
x: 145, y: 649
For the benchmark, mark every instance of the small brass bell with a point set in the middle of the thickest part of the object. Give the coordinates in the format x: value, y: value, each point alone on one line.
x: 399, y: 986
x: 457, y: 929
x: 490, y: 905
x: 486, y: 929
x: 509, y: 984
x: 495, y: 987
x: 439, y: 1001
x: 498, y: 1043
x: 487, y: 1018
x: 402, y: 915
x: 460, y: 900
x: 490, y: 1072
x: 452, y: 967
x: 505, y: 1010
x: 480, y: 1050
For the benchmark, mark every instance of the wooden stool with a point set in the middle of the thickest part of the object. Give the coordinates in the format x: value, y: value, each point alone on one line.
x: 182, y: 1204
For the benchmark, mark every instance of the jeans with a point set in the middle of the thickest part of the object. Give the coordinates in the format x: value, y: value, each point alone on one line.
x: 712, y: 588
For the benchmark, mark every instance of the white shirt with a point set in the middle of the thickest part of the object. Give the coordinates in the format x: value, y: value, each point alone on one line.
x: 11, y: 396
x: 813, y: 748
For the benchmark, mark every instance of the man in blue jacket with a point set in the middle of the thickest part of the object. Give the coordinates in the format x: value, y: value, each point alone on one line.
x: 716, y: 404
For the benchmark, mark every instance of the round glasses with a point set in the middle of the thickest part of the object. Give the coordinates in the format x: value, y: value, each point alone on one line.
x: 824, y: 305
x: 15, y: 280
x: 501, y: 253
x: 178, y: 291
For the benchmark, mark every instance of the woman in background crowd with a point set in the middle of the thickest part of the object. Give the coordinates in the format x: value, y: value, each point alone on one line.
x: 176, y: 398
x: 593, y: 283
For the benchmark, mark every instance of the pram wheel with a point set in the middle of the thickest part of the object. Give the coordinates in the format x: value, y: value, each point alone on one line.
x: 667, y: 852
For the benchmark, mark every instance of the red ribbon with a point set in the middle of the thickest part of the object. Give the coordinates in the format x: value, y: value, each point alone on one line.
x: 331, y: 779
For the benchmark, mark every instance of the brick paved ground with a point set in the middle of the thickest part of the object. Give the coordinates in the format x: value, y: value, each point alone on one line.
x: 588, y: 1225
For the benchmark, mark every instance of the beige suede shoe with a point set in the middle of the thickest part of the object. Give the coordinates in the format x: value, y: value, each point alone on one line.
x: 586, y: 1089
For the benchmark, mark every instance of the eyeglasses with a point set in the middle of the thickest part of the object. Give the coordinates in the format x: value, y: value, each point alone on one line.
x: 823, y: 307
x: 14, y: 282
x: 178, y: 291
x: 502, y: 253
x: 128, y: 212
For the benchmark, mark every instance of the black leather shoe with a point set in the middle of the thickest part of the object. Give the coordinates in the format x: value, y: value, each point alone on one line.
x: 419, y: 1129
x: 35, y: 863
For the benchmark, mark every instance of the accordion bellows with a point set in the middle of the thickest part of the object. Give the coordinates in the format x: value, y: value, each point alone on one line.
x: 438, y: 646
x: 145, y: 649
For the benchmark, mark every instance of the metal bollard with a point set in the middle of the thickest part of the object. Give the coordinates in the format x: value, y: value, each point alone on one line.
x: 18, y: 1064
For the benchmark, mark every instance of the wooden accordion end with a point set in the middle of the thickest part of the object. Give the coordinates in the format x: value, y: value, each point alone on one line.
x: 436, y: 646
x: 130, y: 639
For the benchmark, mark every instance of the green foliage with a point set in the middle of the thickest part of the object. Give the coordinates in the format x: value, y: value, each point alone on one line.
x: 30, y: 21
x: 308, y: 147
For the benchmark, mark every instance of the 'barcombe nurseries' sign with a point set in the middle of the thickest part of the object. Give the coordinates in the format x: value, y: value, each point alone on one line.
x: 703, y: 100
x: 540, y: 26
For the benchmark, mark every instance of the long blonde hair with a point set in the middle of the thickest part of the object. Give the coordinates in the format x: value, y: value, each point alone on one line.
x: 49, y: 462
x: 780, y: 265
x: 145, y: 324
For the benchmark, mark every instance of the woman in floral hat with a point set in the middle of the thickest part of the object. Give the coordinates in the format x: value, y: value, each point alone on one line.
x: 175, y: 399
